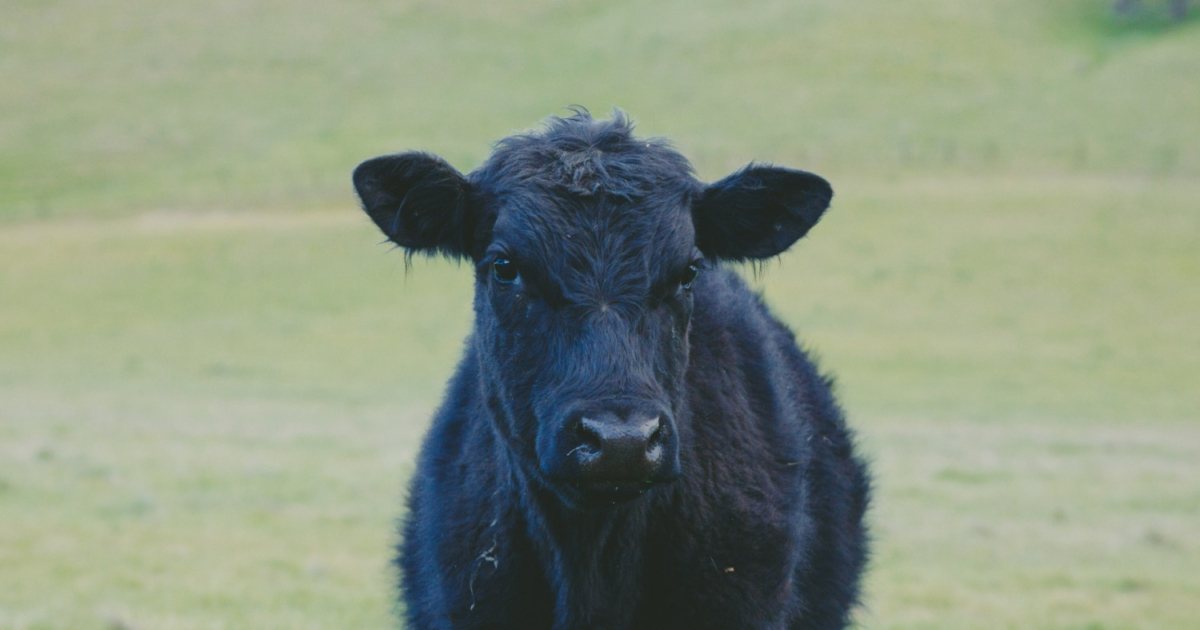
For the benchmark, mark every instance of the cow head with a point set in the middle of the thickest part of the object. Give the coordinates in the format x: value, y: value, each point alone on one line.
x: 588, y: 245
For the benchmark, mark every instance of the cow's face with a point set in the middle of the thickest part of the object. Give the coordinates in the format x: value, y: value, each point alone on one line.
x: 588, y: 245
x: 582, y: 310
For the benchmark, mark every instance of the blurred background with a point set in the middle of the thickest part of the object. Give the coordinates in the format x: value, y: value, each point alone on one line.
x: 214, y: 377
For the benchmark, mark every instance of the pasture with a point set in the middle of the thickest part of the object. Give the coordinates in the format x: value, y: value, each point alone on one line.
x: 214, y: 379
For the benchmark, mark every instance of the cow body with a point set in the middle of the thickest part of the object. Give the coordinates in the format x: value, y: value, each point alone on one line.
x: 631, y: 440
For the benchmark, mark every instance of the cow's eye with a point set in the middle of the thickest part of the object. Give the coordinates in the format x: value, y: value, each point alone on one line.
x: 504, y: 270
x: 689, y: 276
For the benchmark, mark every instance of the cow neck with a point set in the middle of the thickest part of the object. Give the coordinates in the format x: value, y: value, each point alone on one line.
x: 593, y: 559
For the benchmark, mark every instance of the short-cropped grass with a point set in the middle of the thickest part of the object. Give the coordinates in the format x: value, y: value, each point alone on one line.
x: 206, y: 421
x: 214, y: 377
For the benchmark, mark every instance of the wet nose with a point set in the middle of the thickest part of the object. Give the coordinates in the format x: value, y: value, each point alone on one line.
x: 616, y: 449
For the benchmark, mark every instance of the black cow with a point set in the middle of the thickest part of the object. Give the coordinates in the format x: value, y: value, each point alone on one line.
x: 631, y: 440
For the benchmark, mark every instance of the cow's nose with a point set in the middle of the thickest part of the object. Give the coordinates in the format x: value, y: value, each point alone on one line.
x: 614, y: 449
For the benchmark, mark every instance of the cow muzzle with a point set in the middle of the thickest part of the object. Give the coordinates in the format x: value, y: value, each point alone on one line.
x: 614, y: 454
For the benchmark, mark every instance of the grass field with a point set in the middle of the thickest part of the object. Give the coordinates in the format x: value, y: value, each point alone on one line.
x: 213, y: 378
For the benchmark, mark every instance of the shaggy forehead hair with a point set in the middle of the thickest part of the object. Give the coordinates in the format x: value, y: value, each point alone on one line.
x: 595, y: 212
x: 584, y: 157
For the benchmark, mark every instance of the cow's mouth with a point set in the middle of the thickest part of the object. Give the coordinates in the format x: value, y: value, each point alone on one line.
x: 600, y: 494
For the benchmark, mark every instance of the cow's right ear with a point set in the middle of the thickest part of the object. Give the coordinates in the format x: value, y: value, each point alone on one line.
x: 419, y: 201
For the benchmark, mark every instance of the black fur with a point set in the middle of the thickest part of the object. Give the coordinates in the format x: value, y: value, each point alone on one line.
x: 760, y: 526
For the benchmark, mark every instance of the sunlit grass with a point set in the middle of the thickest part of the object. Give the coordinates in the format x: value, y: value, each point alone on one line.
x: 207, y: 420
x: 214, y: 377
x: 118, y: 107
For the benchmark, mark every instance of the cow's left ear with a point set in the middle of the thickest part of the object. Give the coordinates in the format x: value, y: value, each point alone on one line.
x: 758, y: 212
x: 419, y: 201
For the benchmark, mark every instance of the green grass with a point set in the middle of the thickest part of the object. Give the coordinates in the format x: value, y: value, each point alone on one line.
x: 207, y: 419
x: 127, y: 105
x: 214, y: 378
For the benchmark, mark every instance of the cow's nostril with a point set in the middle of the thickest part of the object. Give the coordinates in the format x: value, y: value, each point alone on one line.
x: 590, y: 440
x: 654, y: 444
x: 656, y: 437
